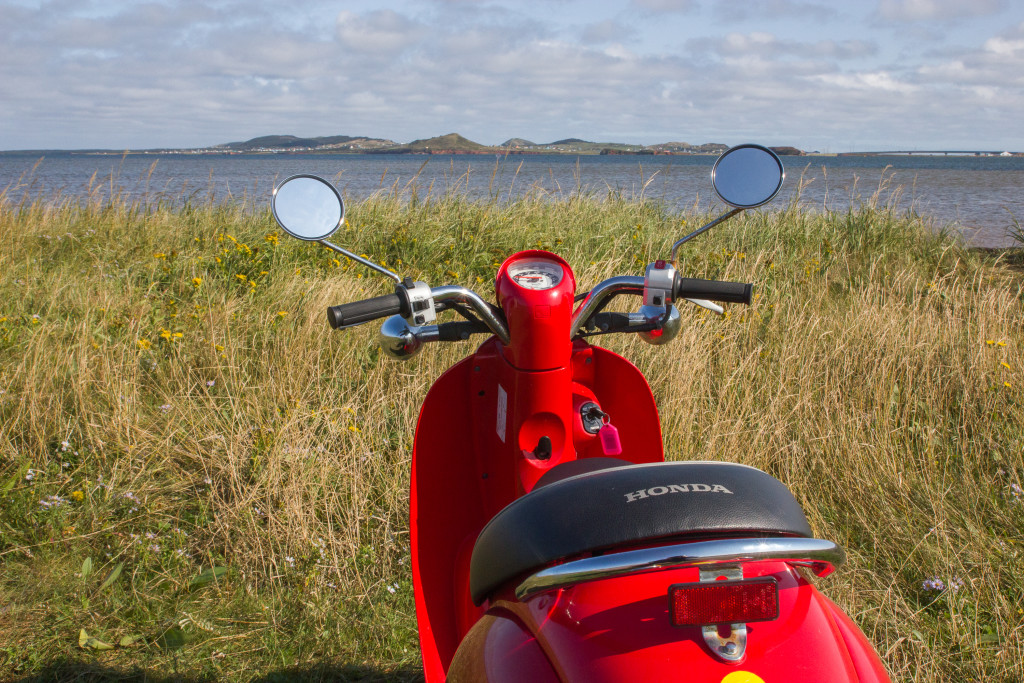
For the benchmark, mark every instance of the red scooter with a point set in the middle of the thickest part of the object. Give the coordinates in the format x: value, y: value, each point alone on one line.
x: 550, y: 540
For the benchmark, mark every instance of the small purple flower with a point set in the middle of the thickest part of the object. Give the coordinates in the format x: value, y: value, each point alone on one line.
x: 210, y: 383
x: 165, y: 407
x: 52, y: 502
x: 933, y: 584
x: 1017, y: 492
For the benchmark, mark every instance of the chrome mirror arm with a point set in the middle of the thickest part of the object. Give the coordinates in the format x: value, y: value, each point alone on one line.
x: 359, y: 259
x: 700, y: 231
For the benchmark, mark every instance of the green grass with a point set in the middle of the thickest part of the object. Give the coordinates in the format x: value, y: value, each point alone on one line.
x: 180, y: 355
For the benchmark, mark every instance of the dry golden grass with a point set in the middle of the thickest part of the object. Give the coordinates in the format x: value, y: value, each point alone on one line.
x: 179, y: 354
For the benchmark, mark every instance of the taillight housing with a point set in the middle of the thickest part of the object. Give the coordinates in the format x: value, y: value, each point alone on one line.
x: 723, y: 602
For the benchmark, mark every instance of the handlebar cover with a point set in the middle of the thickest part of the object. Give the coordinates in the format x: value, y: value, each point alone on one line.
x: 712, y: 290
x: 346, y: 315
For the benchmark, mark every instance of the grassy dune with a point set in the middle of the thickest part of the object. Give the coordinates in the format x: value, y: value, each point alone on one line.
x: 197, y: 472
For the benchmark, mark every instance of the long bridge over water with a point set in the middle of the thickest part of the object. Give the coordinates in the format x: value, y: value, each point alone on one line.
x: 940, y: 152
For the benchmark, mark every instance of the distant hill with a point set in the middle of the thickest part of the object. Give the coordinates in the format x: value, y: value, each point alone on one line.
x: 452, y: 142
x: 291, y: 142
x: 518, y: 142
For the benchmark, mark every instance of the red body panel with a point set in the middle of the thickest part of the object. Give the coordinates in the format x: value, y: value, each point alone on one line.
x: 462, y: 478
x: 619, y: 630
x: 500, y: 650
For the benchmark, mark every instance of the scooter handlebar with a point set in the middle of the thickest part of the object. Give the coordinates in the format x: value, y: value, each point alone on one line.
x: 712, y: 290
x: 346, y: 315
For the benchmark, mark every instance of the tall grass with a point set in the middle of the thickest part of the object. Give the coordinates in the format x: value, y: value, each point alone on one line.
x: 173, y: 402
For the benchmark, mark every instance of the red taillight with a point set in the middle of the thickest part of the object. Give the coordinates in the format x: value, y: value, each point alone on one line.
x: 723, y: 602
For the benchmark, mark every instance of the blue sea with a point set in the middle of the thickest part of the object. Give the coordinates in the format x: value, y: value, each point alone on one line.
x: 982, y: 197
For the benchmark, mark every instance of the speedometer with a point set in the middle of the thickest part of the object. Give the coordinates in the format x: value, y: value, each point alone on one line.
x: 536, y: 274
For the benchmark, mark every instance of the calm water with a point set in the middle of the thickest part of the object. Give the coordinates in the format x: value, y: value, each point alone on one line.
x: 980, y: 196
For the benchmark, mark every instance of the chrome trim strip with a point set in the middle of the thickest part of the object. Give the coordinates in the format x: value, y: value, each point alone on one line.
x: 626, y: 284
x: 821, y: 556
x: 479, y: 306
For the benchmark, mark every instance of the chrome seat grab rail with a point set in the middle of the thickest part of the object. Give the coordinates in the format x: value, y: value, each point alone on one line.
x: 821, y: 556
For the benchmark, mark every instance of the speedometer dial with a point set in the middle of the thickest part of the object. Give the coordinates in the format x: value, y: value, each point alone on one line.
x: 536, y: 274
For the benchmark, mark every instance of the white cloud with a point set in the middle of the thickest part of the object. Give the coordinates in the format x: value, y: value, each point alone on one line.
x: 877, y: 80
x: 775, y: 9
x: 194, y: 73
x: 382, y: 31
x: 606, y: 31
x: 936, y: 10
x: 666, y: 6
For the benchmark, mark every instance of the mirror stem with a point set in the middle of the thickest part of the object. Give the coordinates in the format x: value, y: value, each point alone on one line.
x: 700, y: 231
x: 369, y: 264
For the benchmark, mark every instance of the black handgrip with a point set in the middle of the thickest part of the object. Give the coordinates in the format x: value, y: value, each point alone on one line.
x: 458, y: 331
x: 363, y: 311
x: 713, y: 290
x: 609, y: 322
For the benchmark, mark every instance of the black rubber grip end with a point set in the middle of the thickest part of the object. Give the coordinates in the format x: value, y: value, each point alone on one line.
x: 346, y: 315
x: 713, y: 290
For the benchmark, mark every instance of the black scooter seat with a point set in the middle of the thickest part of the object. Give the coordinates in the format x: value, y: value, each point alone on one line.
x: 628, y: 505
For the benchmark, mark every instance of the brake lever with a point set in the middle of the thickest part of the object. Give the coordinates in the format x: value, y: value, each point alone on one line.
x: 710, y: 305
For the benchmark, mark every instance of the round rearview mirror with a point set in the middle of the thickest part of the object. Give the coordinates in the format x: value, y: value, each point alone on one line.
x: 746, y: 176
x: 308, y: 207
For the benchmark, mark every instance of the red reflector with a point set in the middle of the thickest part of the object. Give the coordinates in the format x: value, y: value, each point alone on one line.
x: 723, y: 602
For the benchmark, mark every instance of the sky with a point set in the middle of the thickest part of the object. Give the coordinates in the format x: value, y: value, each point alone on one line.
x: 827, y: 76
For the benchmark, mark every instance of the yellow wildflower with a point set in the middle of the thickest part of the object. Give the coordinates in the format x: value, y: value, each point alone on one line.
x: 218, y: 347
x: 1001, y: 343
x: 160, y: 254
x: 77, y: 496
x: 1007, y: 385
x: 218, y: 259
x: 272, y: 238
x: 1006, y: 365
x: 196, y: 281
x: 353, y: 428
x: 165, y: 334
x: 177, y: 335
x: 241, y: 277
x: 282, y: 313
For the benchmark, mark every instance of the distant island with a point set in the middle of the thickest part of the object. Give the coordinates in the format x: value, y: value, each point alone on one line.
x: 452, y: 143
